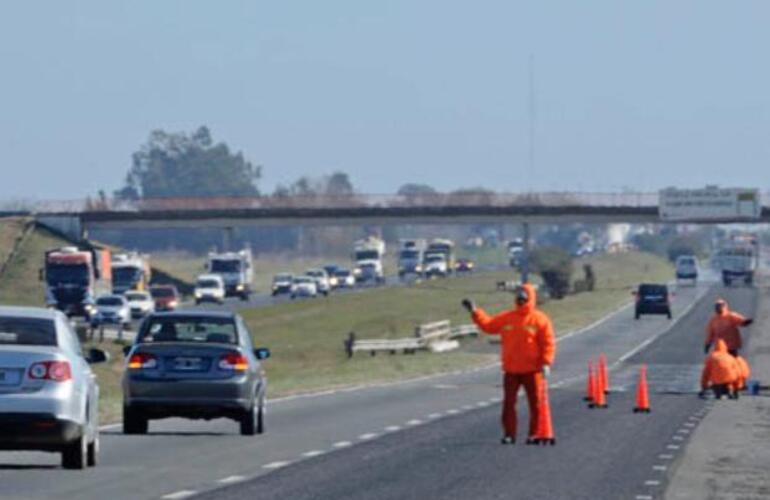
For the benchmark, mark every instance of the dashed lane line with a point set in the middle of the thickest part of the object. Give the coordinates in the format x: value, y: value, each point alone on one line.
x: 275, y: 465
x: 177, y: 495
x: 313, y: 453
x: 342, y: 444
x: 393, y: 428
x: 231, y: 479
x: 367, y: 436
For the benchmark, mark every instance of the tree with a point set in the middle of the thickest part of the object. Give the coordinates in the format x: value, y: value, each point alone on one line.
x: 412, y: 189
x: 555, y: 267
x: 181, y: 165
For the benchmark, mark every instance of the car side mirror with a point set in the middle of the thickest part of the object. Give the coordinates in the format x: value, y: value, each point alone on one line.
x: 96, y: 356
x: 126, y: 349
x: 262, y: 353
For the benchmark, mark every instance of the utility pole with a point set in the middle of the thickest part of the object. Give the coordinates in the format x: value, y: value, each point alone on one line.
x: 525, y: 251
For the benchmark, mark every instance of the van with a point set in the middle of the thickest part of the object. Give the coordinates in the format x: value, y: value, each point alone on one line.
x: 687, y: 268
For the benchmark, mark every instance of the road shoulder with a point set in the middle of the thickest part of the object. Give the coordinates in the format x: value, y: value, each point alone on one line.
x: 729, y: 453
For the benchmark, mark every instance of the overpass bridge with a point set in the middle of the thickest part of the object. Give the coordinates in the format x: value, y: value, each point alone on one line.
x: 81, y: 216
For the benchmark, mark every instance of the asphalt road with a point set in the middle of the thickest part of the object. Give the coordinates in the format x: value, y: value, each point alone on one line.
x: 433, y: 437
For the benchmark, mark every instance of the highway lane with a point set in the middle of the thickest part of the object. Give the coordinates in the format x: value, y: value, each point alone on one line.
x: 183, y: 456
x: 611, y: 453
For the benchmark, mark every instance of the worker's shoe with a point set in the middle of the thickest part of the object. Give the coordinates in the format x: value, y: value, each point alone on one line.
x: 532, y: 440
x: 508, y: 440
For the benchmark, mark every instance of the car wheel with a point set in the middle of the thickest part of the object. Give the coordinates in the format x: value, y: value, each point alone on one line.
x: 133, y: 421
x: 93, y: 451
x: 668, y: 314
x: 250, y: 421
x: 75, y: 454
x: 636, y: 315
x: 261, y: 419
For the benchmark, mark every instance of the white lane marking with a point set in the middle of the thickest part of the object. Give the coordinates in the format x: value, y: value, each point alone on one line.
x: 452, y: 412
x: 678, y: 438
x: 467, y: 407
x: 683, y: 431
x: 689, y: 424
x: 673, y: 447
x: 665, y: 456
x: 342, y: 444
x: 434, y: 415
x: 230, y: 479
x: 643, y: 497
x: 179, y: 494
x: 369, y: 435
x: 659, y: 467
x: 495, y: 399
x: 313, y: 453
x: 275, y: 465
x: 393, y: 428
x: 414, y: 421
x: 652, y: 482
x: 482, y: 404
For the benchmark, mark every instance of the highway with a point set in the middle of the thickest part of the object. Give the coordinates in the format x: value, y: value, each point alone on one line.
x: 432, y: 437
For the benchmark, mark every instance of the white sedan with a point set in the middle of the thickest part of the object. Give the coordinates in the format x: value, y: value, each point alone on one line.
x: 140, y: 303
x: 304, y: 286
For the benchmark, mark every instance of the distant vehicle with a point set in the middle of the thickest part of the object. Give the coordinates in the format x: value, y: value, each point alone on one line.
x: 111, y: 310
x: 445, y: 248
x: 687, y: 268
x: 736, y: 262
x: 515, y: 252
x: 345, y: 278
x: 331, y: 270
x: 198, y: 365
x: 321, y: 280
x: 140, y: 303
x: 236, y: 269
x: 652, y: 299
x: 282, y: 283
x: 436, y: 265
x: 368, y: 254
x: 49, y: 398
x: 74, y: 277
x: 130, y: 271
x: 410, y: 262
x: 166, y: 297
x: 209, y: 288
x: 303, y: 286
x: 464, y: 265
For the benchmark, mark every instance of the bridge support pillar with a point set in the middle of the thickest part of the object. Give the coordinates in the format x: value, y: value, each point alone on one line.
x: 525, y: 255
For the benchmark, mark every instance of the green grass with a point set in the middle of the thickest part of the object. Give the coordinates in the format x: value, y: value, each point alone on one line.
x: 11, y: 229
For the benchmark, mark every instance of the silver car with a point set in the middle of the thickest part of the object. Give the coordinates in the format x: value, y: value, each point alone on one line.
x: 49, y: 398
x: 194, y: 364
x: 112, y: 310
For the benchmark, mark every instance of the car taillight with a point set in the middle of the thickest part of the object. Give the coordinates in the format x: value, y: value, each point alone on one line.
x: 142, y: 361
x: 58, y: 371
x: 233, y: 361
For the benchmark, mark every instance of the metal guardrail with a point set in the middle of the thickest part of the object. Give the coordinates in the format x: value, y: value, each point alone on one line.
x: 438, y: 336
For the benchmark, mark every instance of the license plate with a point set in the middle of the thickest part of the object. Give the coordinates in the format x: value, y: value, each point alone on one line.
x: 9, y: 377
x: 187, y: 364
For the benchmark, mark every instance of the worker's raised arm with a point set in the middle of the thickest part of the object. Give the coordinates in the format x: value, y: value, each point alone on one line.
x: 490, y: 324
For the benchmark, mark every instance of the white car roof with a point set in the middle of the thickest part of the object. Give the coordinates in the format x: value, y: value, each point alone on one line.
x: 29, y: 312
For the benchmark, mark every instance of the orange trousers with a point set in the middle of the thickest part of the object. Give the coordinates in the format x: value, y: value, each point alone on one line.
x: 511, y: 384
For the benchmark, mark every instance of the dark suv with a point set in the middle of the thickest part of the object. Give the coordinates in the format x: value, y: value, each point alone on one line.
x: 652, y: 299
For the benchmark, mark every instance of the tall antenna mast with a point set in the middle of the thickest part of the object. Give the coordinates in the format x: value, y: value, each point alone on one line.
x: 531, y: 113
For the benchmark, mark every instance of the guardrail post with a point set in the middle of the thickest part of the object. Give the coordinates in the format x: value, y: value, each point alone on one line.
x: 349, y: 344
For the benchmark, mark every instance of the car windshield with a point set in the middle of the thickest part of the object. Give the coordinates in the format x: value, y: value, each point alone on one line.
x: 162, y: 292
x: 136, y: 297
x: 342, y: 273
x: 367, y: 255
x: 67, y: 273
x: 189, y: 329
x: 282, y: 277
x: 126, y: 274
x: 434, y: 258
x: 27, y: 331
x: 225, y: 266
x: 687, y: 261
x: 208, y: 283
x: 409, y: 254
x: 109, y: 301
x: 301, y: 281
x: 315, y: 274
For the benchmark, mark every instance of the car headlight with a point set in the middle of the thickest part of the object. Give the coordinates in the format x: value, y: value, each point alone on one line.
x: 357, y: 271
x: 198, y: 294
x: 239, y: 287
x: 470, y: 265
x: 418, y: 268
x: 173, y: 303
x: 333, y: 281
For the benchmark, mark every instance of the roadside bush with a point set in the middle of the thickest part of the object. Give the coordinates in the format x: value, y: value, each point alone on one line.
x: 555, y: 267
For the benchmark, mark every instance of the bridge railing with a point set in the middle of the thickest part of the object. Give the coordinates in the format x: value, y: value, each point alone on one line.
x: 432, y: 200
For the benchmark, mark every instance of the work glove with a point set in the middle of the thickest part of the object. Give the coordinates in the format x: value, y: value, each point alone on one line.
x: 706, y: 348
x: 748, y: 322
x: 546, y: 371
x: 469, y: 305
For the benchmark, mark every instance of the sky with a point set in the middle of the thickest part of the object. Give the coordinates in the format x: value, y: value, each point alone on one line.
x: 628, y: 95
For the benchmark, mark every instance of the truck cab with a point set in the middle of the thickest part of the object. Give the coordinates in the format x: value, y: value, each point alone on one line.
x: 436, y: 265
x: 235, y: 269
x: 367, y: 256
x: 130, y: 271
x: 74, y: 277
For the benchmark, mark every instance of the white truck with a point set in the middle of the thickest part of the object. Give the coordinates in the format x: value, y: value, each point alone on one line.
x: 236, y: 270
x: 736, y: 262
x: 410, y: 257
x: 130, y: 271
x: 368, y: 254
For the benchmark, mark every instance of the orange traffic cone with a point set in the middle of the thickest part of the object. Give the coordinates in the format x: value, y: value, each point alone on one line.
x: 642, y: 392
x: 590, y: 383
x: 545, y: 433
x: 599, y: 400
x: 603, y: 370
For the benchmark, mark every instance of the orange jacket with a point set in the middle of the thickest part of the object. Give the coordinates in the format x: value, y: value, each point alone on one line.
x: 725, y: 326
x: 744, y: 372
x: 526, y: 335
x: 720, y: 367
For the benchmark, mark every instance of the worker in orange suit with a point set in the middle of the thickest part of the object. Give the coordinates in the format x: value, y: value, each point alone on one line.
x: 724, y: 325
x: 744, y: 372
x: 720, y: 372
x: 527, y: 351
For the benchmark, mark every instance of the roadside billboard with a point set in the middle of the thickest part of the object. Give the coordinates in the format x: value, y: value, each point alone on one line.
x: 710, y: 203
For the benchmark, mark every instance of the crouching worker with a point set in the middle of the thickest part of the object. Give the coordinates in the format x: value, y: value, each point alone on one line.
x: 744, y: 372
x: 527, y: 351
x: 720, y: 373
